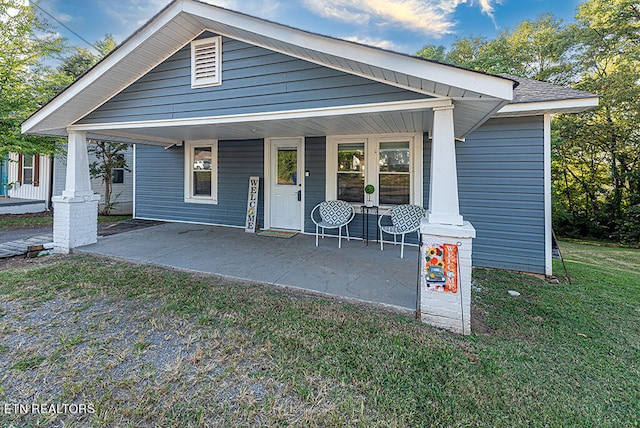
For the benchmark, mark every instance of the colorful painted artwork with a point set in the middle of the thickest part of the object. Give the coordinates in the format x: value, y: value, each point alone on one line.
x: 439, y: 267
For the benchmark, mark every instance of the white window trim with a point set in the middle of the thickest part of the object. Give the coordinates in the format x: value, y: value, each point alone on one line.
x: 207, y: 81
x: 372, y: 144
x: 188, y: 172
x: 25, y: 167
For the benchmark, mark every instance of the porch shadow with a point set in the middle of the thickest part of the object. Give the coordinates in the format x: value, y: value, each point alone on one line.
x: 355, y: 271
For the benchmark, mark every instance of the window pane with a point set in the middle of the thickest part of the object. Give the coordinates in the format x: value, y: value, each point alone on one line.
x: 394, y: 157
x: 351, y: 157
x: 394, y: 189
x: 351, y: 187
x: 202, y: 183
x: 117, y: 176
x: 287, y: 166
x: 27, y: 176
x: 202, y: 158
x: 27, y: 161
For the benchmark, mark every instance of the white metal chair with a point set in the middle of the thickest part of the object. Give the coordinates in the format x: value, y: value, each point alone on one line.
x: 333, y: 215
x: 404, y: 219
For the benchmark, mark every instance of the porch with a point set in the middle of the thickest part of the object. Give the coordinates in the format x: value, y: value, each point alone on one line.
x: 21, y: 206
x: 355, y: 271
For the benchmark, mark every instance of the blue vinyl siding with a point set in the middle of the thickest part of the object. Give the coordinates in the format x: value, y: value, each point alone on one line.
x: 501, y: 185
x: 160, y: 184
x: 315, y: 184
x: 254, y: 80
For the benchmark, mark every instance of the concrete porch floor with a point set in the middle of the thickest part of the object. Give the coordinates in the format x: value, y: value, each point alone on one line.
x: 355, y: 271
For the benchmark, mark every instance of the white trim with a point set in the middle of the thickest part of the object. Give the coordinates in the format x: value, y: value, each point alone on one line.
x: 548, y: 262
x: 265, y: 186
x: 372, y: 144
x: 102, y: 67
x: 559, y: 106
x: 188, y: 178
x: 216, y: 78
x: 134, y: 174
x: 268, y: 175
x: 394, y: 106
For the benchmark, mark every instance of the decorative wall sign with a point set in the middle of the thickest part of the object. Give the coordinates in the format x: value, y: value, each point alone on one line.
x: 252, y: 205
x: 439, y: 267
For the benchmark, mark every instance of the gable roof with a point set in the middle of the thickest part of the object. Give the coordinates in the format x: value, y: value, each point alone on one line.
x: 477, y: 96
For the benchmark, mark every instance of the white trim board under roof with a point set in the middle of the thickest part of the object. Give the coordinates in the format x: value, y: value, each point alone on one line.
x: 183, y: 20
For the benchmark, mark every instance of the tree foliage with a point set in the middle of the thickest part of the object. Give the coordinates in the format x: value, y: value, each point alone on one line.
x: 25, y: 80
x: 595, y: 155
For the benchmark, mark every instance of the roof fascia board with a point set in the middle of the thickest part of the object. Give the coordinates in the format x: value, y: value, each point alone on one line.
x: 92, y: 75
x: 576, y: 105
x: 269, y: 116
x: 494, y: 86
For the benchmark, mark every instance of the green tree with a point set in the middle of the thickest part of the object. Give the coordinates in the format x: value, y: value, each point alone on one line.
x: 608, y: 33
x: 27, y: 42
x: 110, y: 157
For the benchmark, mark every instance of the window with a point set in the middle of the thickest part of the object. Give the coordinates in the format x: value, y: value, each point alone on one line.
x: 201, y: 172
x: 350, y: 179
x: 117, y: 174
x: 27, y: 169
x: 205, y: 62
x: 394, y: 177
x: 392, y: 163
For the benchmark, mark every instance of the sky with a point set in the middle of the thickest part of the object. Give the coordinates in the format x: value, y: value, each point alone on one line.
x: 399, y: 25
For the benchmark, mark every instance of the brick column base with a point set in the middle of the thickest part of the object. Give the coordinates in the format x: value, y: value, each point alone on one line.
x: 440, y: 308
x: 75, y: 222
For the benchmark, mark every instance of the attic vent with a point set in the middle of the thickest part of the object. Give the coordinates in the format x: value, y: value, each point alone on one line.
x: 205, y: 62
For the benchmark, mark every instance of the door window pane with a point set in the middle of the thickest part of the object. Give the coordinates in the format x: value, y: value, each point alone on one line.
x: 287, y: 166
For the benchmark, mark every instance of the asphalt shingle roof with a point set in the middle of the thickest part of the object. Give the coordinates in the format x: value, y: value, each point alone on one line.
x: 530, y: 91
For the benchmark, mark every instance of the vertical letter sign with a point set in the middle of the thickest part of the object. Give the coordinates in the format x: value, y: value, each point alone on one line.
x: 439, y: 267
x: 252, y: 205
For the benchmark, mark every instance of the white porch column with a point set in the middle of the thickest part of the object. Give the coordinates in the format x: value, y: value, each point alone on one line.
x: 445, y: 262
x: 443, y: 181
x: 75, y: 212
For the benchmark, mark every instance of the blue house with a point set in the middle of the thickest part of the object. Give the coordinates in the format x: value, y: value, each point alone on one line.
x: 210, y: 97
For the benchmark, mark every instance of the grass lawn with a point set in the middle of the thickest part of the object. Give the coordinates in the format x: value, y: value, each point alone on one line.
x: 44, y: 219
x: 147, y: 346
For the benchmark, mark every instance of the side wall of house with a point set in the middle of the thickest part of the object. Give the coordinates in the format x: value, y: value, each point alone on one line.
x: 501, y: 185
x: 122, y: 193
x: 160, y: 184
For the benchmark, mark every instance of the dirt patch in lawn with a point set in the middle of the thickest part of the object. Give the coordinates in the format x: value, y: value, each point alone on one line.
x: 131, y: 362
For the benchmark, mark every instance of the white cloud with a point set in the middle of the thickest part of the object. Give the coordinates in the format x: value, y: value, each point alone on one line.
x: 381, y: 43
x: 432, y: 17
x: 64, y: 18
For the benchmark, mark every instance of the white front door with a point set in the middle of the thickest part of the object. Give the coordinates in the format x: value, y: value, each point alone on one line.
x: 286, y: 184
